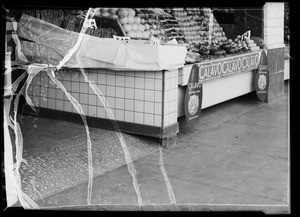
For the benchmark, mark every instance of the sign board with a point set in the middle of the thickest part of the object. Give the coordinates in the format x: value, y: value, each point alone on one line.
x: 193, y: 97
x: 228, y: 66
x: 90, y: 23
x: 123, y: 39
x: 261, y: 79
x: 246, y: 34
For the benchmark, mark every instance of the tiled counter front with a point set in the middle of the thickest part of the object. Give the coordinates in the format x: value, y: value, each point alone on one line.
x: 142, y: 102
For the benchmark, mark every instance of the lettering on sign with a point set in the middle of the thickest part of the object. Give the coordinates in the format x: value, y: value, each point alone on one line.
x: 193, y: 97
x: 227, y: 67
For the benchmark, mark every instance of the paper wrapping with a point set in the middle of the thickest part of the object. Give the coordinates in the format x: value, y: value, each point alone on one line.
x: 51, y: 43
x: 47, y: 34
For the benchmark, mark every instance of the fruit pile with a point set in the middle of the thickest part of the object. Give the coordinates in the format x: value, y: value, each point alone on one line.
x: 199, y: 25
x: 132, y: 25
x: 246, y: 44
x: 151, y: 22
x: 171, y: 28
x: 232, y: 48
x: 189, y: 23
x: 218, y: 35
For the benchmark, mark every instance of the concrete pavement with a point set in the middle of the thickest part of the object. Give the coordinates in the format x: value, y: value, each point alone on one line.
x: 237, y: 158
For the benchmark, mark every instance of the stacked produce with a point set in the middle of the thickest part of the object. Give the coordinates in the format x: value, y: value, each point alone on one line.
x: 199, y: 25
x: 132, y: 24
x: 206, y: 26
x: 151, y: 22
x: 246, y: 44
x: 189, y: 23
x: 171, y: 27
x: 232, y: 47
x: 218, y: 35
x: 137, y: 24
x: 259, y: 41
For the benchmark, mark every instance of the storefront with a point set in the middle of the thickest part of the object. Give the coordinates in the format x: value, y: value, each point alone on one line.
x: 142, y: 81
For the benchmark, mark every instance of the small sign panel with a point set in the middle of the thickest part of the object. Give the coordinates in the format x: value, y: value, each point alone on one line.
x: 262, y: 78
x: 247, y: 35
x: 123, y: 39
x: 154, y: 40
x: 91, y: 23
x: 193, y: 97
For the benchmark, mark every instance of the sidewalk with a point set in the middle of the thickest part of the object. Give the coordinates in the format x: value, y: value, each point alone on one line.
x: 236, y: 159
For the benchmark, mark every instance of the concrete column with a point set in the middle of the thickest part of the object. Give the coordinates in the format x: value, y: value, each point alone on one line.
x: 273, y: 34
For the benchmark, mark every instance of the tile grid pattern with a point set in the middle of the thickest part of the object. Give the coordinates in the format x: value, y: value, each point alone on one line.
x: 170, y: 97
x: 134, y: 97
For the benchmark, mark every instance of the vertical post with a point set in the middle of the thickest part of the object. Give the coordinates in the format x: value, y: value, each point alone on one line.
x: 273, y: 34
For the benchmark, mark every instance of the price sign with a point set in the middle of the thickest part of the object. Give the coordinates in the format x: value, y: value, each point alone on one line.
x: 123, y: 39
x: 261, y: 79
x: 247, y: 35
x: 90, y: 23
x: 154, y: 40
x: 193, y: 97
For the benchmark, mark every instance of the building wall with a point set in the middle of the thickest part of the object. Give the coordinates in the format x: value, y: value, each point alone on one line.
x: 274, y: 40
x: 274, y: 24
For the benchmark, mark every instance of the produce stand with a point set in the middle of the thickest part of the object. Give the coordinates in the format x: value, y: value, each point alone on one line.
x: 143, y: 84
x: 237, y: 80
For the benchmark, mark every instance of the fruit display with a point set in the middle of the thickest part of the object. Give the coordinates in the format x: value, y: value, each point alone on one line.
x: 246, y: 44
x: 259, y: 41
x: 199, y: 25
x: 151, y: 22
x: 197, y: 28
x: 136, y: 23
x: 231, y: 47
x: 171, y: 27
x: 189, y: 23
x: 218, y: 35
x: 129, y: 23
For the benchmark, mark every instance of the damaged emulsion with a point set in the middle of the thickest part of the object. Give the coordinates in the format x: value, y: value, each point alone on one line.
x: 67, y: 46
